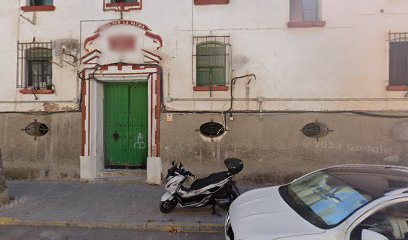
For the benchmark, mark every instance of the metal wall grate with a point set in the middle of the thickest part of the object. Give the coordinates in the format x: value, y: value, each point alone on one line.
x: 34, y: 63
x: 212, y: 129
x: 398, y: 37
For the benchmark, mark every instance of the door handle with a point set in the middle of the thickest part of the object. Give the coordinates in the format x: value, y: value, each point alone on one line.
x: 115, y: 136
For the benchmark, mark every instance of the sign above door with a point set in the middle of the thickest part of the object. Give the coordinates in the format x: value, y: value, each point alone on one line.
x: 123, y: 41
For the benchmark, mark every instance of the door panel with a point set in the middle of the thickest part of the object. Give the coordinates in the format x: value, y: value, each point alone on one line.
x: 138, y: 124
x: 125, y: 125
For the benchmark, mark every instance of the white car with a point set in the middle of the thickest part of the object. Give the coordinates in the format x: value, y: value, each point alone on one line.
x: 349, y: 202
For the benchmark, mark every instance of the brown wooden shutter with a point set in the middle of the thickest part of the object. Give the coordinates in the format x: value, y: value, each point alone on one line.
x: 398, y: 63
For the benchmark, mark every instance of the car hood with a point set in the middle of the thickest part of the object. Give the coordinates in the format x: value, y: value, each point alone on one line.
x: 263, y: 214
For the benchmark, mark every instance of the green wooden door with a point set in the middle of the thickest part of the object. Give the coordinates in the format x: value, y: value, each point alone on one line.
x: 126, y: 125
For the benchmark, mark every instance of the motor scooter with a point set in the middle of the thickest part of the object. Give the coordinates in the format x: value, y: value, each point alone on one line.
x: 216, y: 189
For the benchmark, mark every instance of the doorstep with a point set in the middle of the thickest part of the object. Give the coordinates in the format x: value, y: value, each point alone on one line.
x: 122, y: 175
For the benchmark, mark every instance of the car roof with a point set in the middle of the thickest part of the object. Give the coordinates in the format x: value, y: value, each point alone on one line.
x: 376, y: 180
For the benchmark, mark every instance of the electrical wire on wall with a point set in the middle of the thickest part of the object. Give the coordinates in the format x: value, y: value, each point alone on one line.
x: 232, y: 111
x: 164, y: 108
x: 233, y: 82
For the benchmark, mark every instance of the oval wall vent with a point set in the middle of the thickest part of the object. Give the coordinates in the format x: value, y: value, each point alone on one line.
x: 212, y: 129
x: 36, y: 129
x: 315, y: 130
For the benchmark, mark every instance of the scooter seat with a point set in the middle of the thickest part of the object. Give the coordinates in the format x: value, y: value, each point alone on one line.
x: 213, y: 178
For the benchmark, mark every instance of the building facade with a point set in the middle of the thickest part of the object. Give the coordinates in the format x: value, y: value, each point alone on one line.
x: 287, y: 86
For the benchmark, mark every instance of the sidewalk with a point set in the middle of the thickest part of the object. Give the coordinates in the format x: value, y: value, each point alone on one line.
x: 101, y: 204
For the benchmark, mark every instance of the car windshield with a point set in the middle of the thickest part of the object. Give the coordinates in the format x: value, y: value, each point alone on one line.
x: 323, y: 199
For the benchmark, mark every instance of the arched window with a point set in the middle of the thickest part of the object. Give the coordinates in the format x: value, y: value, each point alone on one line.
x: 211, y: 61
x: 39, y: 68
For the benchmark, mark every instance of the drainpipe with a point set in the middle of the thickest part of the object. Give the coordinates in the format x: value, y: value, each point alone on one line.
x: 168, y: 97
x: 260, y: 102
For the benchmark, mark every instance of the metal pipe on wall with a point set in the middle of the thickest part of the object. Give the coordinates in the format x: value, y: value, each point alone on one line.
x: 31, y: 101
x: 290, y: 99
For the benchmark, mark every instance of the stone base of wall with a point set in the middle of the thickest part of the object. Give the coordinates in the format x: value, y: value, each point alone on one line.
x: 54, y: 156
x: 274, y: 148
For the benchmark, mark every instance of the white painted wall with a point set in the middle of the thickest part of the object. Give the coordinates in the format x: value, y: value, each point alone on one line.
x: 342, y: 66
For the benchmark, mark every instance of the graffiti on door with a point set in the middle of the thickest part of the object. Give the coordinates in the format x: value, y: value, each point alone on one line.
x: 140, y: 143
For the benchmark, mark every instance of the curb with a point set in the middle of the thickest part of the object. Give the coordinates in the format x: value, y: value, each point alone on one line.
x: 149, y: 226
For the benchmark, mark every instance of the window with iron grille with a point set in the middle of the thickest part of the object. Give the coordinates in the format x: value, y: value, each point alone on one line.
x: 40, y: 2
x: 305, y: 10
x: 34, y: 65
x: 398, y: 59
x: 211, y: 61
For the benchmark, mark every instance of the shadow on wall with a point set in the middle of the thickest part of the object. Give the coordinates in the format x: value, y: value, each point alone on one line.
x: 269, y: 179
x: 50, y: 156
x: 275, y: 149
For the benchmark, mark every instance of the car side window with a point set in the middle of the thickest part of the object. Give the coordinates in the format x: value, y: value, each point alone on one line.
x: 391, y: 222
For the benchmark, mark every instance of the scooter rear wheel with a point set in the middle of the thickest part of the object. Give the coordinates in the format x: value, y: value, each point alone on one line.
x: 231, y: 196
x: 168, y: 206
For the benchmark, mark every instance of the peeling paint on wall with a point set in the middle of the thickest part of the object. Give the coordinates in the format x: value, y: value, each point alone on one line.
x: 51, y: 107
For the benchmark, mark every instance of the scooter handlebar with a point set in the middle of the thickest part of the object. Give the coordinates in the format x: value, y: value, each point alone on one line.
x: 188, y: 173
x: 178, y: 168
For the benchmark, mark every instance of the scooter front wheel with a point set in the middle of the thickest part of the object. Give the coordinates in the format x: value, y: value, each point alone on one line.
x: 168, y: 206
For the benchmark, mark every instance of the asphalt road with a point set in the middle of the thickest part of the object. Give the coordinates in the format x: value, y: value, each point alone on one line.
x: 66, y: 233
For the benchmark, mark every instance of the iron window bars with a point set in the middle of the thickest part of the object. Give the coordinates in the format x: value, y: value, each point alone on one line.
x: 398, y: 63
x: 211, y: 60
x: 34, y: 65
x: 398, y: 37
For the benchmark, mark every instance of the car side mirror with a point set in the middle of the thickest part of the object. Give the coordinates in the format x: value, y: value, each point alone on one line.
x: 371, y: 235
